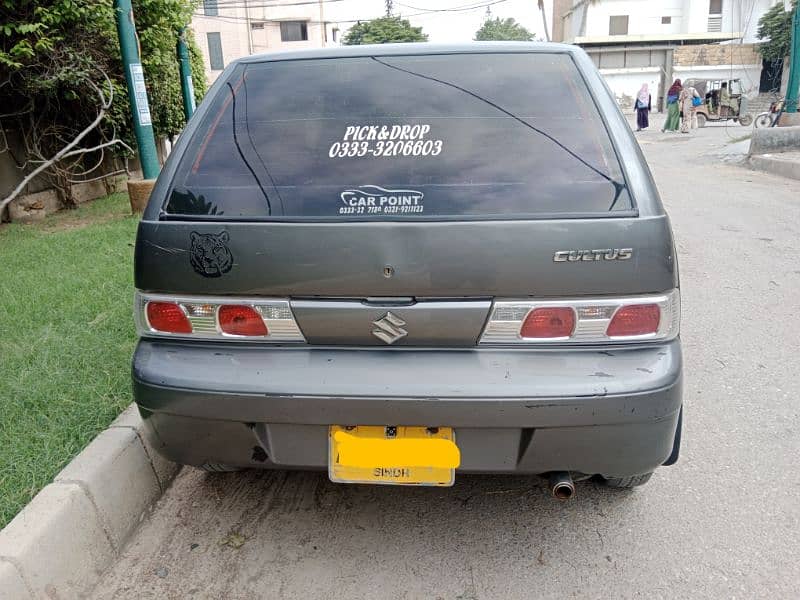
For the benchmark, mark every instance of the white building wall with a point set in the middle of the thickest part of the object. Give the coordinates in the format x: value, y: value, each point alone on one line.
x: 644, y: 16
x: 625, y: 83
x: 233, y: 36
x: 239, y: 38
x: 687, y: 17
x: 696, y: 15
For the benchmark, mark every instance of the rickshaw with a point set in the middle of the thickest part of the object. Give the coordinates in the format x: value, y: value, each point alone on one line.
x: 711, y: 109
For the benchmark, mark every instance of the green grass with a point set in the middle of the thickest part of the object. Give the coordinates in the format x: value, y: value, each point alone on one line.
x: 66, y: 338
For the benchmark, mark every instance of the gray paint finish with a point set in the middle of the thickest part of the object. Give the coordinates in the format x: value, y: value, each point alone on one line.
x: 429, y: 323
x: 439, y: 259
x: 489, y: 388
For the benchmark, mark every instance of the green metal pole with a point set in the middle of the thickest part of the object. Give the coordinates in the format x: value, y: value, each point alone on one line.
x: 793, y: 86
x: 137, y: 93
x: 187, y: 86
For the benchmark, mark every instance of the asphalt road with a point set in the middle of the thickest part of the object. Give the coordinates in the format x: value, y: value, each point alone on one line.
x: 723, y: 522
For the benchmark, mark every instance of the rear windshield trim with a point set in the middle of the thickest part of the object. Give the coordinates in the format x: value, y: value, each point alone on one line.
x: 617, y: 214
x: 244, y: 64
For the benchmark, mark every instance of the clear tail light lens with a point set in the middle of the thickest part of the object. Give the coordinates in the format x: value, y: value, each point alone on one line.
x: 167, y: 317
x: 638, y: 319
x: 195, y: 317
x: 237, y: 319
x: 584, y: 320
x: 548, y: 322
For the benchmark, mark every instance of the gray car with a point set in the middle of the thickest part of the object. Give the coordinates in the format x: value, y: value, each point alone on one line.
x: 400, y: 263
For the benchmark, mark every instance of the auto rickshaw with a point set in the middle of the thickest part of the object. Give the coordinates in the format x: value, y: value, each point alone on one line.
x: 712, y: 108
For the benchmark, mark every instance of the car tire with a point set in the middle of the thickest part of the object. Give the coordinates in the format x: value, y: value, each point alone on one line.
x: 701, y: 120
x: 218, y: 468
x: 628, y: 482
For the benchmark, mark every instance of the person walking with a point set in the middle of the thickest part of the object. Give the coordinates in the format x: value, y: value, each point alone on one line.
x: 643, y: 108
x: 688, y: 108
x: 673, y: 111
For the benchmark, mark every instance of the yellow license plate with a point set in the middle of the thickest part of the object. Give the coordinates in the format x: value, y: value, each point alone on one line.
x: 392, y: 455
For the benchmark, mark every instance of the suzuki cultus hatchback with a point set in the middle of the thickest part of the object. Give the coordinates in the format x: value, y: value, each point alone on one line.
x: 401, y: 263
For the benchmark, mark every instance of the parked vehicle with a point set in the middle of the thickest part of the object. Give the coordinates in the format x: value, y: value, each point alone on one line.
x: 402, y: 262
x: 770, y: 118
x: 712, y: 108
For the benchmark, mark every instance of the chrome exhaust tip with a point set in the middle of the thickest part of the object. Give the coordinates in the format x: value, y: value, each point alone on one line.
x: 561, y: 485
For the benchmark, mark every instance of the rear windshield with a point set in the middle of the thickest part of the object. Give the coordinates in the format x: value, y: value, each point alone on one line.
x: 433, y: 136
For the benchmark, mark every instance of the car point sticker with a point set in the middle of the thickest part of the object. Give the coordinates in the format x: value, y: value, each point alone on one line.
x: 376, y: 200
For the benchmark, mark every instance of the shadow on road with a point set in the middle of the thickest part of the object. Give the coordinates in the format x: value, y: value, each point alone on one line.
x: 292, y: 534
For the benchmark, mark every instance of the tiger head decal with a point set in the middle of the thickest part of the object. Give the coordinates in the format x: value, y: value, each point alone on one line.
x: 209, y: 254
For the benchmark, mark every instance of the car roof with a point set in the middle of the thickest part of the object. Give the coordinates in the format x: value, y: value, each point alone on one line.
x: 409, y: 49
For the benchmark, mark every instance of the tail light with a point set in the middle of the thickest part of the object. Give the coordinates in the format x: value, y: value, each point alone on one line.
x: 548, y: 323
x: 237, y: 319
x: 584, y: 321
x: 638, y: 319
x: 167, y: 317
x: 193, y: 317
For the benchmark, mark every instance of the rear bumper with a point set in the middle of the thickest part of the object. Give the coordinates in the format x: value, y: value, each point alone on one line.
x: 611, y: 412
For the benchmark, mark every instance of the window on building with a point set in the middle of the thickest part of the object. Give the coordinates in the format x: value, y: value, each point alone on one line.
x: 294, y: 31
x: 335, y: 34
x: 215, y: 51
x: 210, y: 8
x: 256, y: 24
x: 715, y: 15
x: 618, y: 25
x: 666, y: 20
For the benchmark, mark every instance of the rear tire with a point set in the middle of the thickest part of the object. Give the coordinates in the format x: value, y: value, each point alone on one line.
x: 745, y: 120
x: 218, y: 468
x: 701, y: 120
x: 628, y: 482
x: 763, y: 120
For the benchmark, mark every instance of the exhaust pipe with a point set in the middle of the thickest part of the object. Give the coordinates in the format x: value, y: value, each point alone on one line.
x: 561, y: 485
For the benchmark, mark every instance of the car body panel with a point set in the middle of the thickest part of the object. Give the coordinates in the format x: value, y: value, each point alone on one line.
x: 439, y: 259
x: 607, y: 412
x: 610, y: 409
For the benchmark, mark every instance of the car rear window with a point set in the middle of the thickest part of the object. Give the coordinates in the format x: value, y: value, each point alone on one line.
x: 430, y: 136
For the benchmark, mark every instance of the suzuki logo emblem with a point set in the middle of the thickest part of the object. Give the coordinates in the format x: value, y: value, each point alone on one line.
x: 389, y: 328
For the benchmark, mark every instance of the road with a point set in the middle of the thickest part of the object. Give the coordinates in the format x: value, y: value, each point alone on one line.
x: 723, y: 522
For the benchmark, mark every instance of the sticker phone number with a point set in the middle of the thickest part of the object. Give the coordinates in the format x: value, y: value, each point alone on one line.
x: 388, y: 148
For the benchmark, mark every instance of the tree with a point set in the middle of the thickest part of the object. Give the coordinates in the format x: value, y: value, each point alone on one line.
x: 62, y: 86
x: 775, y: 26
x: 385, y: 30
x: 503, y: 29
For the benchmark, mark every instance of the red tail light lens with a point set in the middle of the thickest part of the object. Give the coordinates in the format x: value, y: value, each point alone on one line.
x: 236, y: 319
x: 637, y: 319
x: 167, y: 317
x: 549, y: 322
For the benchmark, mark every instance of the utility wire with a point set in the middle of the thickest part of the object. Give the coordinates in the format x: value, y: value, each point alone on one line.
x: 267, y: 4
x: 463, y: 8
x: 423, y: 11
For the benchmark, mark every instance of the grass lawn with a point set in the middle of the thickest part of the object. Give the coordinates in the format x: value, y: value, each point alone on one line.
x: 66, y: 338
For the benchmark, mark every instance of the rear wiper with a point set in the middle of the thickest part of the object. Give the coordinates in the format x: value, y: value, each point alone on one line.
x: 618, y: 185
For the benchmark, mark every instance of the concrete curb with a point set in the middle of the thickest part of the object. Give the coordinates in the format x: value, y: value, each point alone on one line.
x: 768, y: 140
x: 785, y: 165
x: 59, y: 545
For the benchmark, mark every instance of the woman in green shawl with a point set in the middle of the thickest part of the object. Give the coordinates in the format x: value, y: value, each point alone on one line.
x: 673, y: 110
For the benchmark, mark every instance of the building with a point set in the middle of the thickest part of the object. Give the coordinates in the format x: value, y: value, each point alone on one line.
x: 656, y: 41
x: 228, y: 29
